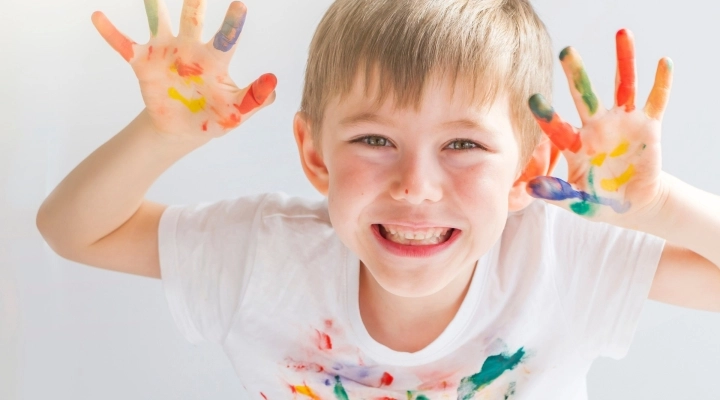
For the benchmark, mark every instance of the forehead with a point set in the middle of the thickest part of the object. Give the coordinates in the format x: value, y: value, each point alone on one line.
x: 441, y: 99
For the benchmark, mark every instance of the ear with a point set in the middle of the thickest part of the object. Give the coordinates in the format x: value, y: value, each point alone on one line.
x: 312, y: 161
x: 542, y: 162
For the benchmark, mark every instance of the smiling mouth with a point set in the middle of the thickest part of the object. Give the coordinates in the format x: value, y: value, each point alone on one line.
x: 423, y: 237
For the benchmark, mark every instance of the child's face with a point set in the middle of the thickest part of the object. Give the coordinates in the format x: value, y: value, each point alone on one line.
x: 405, y: 170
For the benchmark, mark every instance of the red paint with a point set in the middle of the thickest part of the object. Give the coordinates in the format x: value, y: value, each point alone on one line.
x: 205, y: 126
x: 386, y: 379
x: 323, y: 341
x: 401, y: 250
x: 406, y: 191
x: 175, y: 51
x: 562, y: 134
x: 626, y: 70
x: 257, y: 94
x: 150, y: 49
x: 263, y: 395
x: 186, y: 70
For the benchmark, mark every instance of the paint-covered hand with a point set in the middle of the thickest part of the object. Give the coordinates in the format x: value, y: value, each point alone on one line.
x: 185, y: 83
x: 614, y: 167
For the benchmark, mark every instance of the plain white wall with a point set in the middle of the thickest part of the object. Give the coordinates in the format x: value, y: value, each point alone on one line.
x: 68, y: 331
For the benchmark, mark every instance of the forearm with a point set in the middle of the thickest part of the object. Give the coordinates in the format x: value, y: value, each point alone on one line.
x: 109, y: 186
x: 689, y: 217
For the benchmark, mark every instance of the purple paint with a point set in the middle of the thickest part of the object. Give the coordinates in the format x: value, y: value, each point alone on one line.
x: 552, y: 188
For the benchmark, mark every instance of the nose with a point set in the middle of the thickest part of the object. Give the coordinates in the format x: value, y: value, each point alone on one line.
x: 417, y: 179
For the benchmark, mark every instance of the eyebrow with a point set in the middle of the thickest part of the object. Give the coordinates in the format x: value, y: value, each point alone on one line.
x: 370, y: 117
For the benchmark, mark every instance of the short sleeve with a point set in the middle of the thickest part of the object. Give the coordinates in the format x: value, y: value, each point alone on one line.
x: 206, y: 253
x: 603, y: 275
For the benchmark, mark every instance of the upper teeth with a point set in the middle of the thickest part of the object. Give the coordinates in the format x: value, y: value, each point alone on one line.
x: 407, y: 233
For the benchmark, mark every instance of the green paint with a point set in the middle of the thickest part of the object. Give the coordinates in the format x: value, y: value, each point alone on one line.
x: 584, y: 208
x: 492, y: 368
x: 669, y: 64
x: 564, y: 53
x: 151, y: 8
x: 581, y: 81
x: 421, y: 397
x: 541, y: 108
x: 583, y: 85
x: 339, y: 390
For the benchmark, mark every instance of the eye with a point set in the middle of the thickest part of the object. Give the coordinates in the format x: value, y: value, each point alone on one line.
x: 463, y: 144
x: 373, y: 141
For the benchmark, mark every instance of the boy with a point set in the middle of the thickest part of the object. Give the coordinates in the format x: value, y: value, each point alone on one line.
x: 429, y: 272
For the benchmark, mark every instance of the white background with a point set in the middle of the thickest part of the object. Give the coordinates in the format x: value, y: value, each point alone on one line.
x: 69, y: 331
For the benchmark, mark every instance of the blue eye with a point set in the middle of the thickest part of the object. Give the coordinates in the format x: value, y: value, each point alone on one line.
x: 463, y: 144
x: 373, y: 141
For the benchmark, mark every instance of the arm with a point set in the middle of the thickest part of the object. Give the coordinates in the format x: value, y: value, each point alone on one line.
x: 615, y: 176
x: 97, y: 214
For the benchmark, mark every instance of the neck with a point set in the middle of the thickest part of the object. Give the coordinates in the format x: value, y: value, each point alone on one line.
x: 409, y: 323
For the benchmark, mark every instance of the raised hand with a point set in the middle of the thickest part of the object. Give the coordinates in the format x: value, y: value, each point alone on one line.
x: 614, y: 166
x: 185, y: 83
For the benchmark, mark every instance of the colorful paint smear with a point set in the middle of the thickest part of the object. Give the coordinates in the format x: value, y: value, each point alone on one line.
x: 305, y: 391
x: 613, y: 185
x: 339, y: 390
x: 562, y: 134
x: 229, y: 33
x: 194, y: 105
x: 115, y: 39
x: 492, y: 368
x: 323, y: 341
x: 626, y: 70
x: 573, y: 63
x: 555, y: 189
x: 151, y: 8
x: 661, y: 90
x: 257, y: 94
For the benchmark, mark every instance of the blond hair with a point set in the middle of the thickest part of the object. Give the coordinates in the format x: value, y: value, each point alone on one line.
x: 497, y: 45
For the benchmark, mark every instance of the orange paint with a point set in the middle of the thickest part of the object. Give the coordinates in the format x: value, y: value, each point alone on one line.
x: 257, y: 94
x: 626, y: 70
x: 115, y: 39
x: 232, y: 121
x: 660, y: 92
x: 561, y: 134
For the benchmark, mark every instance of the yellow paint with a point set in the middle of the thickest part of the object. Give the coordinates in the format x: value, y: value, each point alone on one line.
x: 612, y: 185
x: 306, y: 391
x: 192, y: 78
x: 621, y: 149
x: 598, y: 160
x: 194, y: 105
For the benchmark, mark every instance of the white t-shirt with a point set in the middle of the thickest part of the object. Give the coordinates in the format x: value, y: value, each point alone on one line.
x: 267, y: 278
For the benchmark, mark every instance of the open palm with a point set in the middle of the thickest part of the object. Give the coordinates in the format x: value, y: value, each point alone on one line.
x: 185, y: 83
x: 614, y: 163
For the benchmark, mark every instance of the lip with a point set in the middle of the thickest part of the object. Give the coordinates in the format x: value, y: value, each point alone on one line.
x: 422, y: 251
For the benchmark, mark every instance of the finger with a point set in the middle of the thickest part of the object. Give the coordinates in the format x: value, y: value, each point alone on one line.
x: 562, y: 134
x: 158, y: 18
x: 191, y: 20
x: 626, y: 81
x: 660, y: 93
x: 121, y: 43
x: 581, y: 89
x: 257, y: 94
x: 231, y: 28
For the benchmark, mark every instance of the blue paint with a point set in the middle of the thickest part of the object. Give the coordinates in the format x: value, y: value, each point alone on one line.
x: 228, y: 35
x: 552, y: 188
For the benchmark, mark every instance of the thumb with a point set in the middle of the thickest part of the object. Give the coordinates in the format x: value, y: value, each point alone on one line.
x: 259, y: 94
x: 560, y: 193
